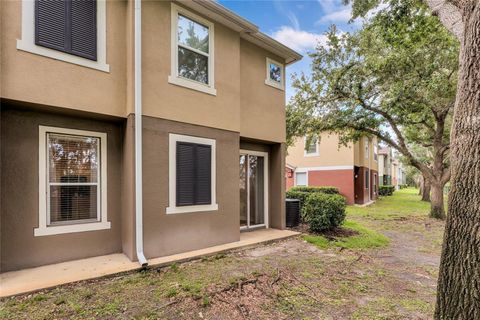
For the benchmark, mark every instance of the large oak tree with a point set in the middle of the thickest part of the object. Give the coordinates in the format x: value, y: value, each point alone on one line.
x: 458, y: 294
x: 394, y: 79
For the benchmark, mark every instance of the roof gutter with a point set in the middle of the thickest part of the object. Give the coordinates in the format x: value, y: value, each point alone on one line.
x: 138, y: 135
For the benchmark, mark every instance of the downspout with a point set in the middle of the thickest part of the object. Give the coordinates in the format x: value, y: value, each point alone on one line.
x: 138, y: 135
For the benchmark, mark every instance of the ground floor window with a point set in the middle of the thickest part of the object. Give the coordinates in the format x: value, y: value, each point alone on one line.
x: 301, y: 179
x: 72, y: 181
x: 191, y: 174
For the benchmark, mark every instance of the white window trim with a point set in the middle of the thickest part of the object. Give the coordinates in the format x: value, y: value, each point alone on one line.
x: 27, y: 43
x: 295, y: 177
x: 43, y: 213
x: 174, y: 78
x: 367, y: 148
x: 269, y: 81
x: 317, y: 149
x: 172, y: 175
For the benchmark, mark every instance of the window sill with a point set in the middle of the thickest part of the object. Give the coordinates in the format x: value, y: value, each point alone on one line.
x: 311, y: 154
x: 53, y: 230
x: 192, y: 85
x: 274, y: 85
x: 188, y: 209
x: 57, y: 55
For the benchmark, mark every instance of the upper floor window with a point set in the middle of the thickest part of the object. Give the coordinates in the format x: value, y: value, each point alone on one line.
x: 192, y: 51
x: 375, y: 152
x: 275, y: 74
x: 311, y: 147
x: 72, y: 176
x: 73, y: 31
x: 69, y: 26
x: 367, y: 148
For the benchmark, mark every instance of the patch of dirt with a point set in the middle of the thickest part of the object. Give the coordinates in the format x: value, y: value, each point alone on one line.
x: 332, y: 234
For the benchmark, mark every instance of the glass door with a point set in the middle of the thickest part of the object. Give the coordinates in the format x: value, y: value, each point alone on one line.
x: 253, y: 189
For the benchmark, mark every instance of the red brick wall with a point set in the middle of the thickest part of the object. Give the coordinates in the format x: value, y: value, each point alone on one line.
x: 342, y: 179
x: 289, y: 180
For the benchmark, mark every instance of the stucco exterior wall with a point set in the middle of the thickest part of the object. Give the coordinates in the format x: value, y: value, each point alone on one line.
x: 19, y: 198
x: 166, y: 234
x: 37, y: 79
x: 259, y: 101
x: 330, y: 154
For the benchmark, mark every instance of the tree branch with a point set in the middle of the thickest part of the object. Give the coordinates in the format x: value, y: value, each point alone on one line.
x: 449, y: 13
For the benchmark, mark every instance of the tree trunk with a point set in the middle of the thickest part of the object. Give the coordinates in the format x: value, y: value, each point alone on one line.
x: 458, y: 295
x: 437, y: 209
x: 426, y: 190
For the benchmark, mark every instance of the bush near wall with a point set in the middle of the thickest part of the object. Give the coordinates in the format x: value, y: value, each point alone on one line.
x: 386, y: 190
x: 324, y: 211
x: 327, y: 190
x: 301, y: 193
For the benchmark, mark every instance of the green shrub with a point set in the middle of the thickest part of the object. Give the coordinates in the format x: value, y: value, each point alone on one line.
x: 386, y: 190
x: 302, y: 196
x: 326, y: 189
x: 324, y: 211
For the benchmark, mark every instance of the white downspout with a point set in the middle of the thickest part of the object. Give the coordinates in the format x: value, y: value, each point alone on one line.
x: 138, y: 135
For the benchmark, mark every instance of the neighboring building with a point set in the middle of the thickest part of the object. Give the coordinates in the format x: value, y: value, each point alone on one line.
x: 399, y: 176
x: 353, y: 169
x: 212, y: 133
x: 385, y: 166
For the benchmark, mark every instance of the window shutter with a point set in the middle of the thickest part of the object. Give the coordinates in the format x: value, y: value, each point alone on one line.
x: 50, y: 24
x: 185, y: 174
x: 193, y: 174
x: 67, y: 25
x: 84, y: 28
x: 203, y: 190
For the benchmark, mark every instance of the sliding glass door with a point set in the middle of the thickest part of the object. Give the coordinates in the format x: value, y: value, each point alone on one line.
x: 253, y: 189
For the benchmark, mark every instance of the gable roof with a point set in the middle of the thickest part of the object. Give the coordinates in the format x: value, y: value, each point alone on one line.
x: 248, y: 31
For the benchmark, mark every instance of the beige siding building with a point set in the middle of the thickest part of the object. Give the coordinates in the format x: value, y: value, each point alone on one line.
x: 210, y: 100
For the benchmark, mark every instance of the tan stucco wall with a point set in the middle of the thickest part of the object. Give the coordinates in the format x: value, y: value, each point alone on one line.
x: 262, y: 106
x: 330, y: 154
x: 168, y: 101
x: 19, y: 197
x: 244, y: 103
x: 360, y: 158
x: 33, y: 78
x: 166, y: 234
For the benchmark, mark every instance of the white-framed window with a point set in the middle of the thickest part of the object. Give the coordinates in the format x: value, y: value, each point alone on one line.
x: 301, y: 179
x: 192, y: 174
x: 367, y: 148
x: 192, y: 51
x: 275, y: 74
x: 27, y: 42
x: 72, y: 181
x: 375, y: 152
x: 311, y: 147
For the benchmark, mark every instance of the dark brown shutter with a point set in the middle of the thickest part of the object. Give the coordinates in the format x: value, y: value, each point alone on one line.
x: 203, y: 190
x: 193, y: 180
x: 67, y: 25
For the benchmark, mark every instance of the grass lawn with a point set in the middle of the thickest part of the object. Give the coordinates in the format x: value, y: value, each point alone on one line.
x: 386, y: 271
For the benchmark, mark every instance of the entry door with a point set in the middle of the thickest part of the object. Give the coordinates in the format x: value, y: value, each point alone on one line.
x: 253, y: 189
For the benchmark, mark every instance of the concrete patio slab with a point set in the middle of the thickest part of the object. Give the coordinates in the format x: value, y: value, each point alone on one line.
x: 28, y: 280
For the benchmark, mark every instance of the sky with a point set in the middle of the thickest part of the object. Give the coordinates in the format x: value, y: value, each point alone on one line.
x: 299, y: 24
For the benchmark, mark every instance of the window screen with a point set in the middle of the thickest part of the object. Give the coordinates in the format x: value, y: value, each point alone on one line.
x: 73, y: 178
x: 301, y: 179
x: 194, y: 174
x: 67, y: 25
x: 312, y: 147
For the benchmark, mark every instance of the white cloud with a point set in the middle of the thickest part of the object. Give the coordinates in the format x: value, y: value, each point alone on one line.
x: 340, y: 16
x: 299, y: 40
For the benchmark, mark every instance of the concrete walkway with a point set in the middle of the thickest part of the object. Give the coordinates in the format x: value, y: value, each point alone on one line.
x: 27, y: 280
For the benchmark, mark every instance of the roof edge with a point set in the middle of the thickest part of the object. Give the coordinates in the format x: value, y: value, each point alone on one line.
x: 248, y: 31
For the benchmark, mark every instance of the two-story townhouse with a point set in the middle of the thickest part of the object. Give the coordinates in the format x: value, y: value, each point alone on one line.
x: 321, y: 161
x: 146, y: 128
